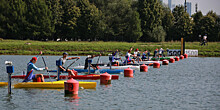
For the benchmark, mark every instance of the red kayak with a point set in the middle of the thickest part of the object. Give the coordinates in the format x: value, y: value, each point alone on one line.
x: 82, y: 77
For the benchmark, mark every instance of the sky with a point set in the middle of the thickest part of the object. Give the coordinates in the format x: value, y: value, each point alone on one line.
x: 203, y: 5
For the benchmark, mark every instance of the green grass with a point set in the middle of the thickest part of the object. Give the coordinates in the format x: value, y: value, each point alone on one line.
x: 20, y: 47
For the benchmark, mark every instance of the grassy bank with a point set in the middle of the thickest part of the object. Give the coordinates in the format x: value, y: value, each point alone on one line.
x: 28, y: 47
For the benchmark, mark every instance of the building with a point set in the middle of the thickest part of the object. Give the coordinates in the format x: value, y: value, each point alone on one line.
x: 170, y: 4
x: 189, y: 8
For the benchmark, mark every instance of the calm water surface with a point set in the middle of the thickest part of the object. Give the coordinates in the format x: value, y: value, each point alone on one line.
x: 190, y: 84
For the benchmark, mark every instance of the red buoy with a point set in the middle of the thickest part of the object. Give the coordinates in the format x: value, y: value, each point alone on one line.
x: 128, y: 72
x: 156, y: 65
x: 37, y: 79
x: 172, y: 60
x: 105, y: 78
x: 185, y: 55
x: 71, y: 86
x: 181, y: 57
x: 177, y: 58
x: 143, y: 68
x: 165, y: 62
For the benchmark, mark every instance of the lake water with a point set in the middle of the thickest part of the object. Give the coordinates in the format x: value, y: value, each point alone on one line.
x: 190, y: 84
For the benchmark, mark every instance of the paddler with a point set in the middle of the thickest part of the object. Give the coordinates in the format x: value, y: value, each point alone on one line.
x: 144, y: 55
x: 86, y: 62
x: 115, y: 57
x: 64, y: 59
x: 161, y: 52
x: 137, y: 55
x: 155, y: 53
x: 30, y: 69
x: 128, y: 57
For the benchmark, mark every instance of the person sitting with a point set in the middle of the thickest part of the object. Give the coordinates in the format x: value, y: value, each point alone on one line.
x: 137, y: 55
x: 115, y: 58
x: 155, y: 53
x: 63, y: 60
x: 144, y: 57
x: 128, y: 57
x: 161, y: 52
x: 30, y: 69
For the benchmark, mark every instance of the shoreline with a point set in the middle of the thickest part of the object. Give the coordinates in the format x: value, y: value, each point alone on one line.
x: 74, y: 48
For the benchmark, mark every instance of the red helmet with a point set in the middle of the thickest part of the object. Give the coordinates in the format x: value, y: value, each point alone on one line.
x: 34, y: 58
x: 136, y: 49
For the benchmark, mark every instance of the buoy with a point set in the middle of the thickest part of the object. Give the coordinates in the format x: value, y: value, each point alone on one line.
x: 185, y: 55
x: 181, y: 57
x: 172, y: 60
x: 128, y: 72
x: 143, y: 68
x: 105, y: 78
x: 37, y: 79
x: 177, y: 58
x: 156, y: 65
x: 71, y: 86
x: 165, y: 62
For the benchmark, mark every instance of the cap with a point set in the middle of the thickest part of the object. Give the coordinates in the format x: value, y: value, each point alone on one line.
x: 65, y: 53
x: 136, y: 49
x: 34, y: 58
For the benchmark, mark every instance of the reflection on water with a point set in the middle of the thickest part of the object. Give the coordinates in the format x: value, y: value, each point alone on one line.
x: 190, y: 84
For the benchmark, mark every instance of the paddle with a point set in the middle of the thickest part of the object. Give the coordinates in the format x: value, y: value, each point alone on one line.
x: 47, y: 69
x: 72, y: 63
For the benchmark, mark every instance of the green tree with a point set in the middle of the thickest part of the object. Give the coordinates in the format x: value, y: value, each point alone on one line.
x: 167, y: 22
x: 88, y: 22
x: 68, y: 26
x: 57, y: 13
x: 183, y: 24
x: 196, y: 28
x: 207, y: 26
x: 13, y: 19
x: 158, y: 34
x: 39, y: 18
x: 150, y: 14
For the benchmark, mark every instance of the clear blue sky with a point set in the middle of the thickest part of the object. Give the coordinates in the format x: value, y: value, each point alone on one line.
x: 203, y: 5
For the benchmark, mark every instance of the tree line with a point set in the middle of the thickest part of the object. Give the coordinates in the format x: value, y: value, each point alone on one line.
x: 106, y: 20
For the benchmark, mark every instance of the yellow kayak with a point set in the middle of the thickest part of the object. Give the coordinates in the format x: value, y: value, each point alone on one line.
x: 53, y: 85
x: 3, y: 84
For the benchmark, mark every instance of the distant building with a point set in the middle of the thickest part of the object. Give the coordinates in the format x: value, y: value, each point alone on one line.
x: 170, y: 4
x: 189, y: 8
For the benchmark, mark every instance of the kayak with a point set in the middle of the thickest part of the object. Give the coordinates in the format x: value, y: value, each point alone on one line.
x: 148, y: 62
x: 81, y: 77
x: 109, y: 71
x: 113, y: 67
x: 53, y: 85
x: 162, y: 58
x: 3, y: 84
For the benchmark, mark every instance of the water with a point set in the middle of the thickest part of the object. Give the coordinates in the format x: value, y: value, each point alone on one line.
x: 190, y: 84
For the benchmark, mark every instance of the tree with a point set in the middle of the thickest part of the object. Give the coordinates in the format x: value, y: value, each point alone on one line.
x: 39, y: 18
x: 167, y: 22
x: 196, y: 28
x: 13, y: 19
x: 207, y: 26
x: 158, y: 34
x: 88, y: 21
x: 183, y: 24
x: 68, y: 26
x: 57, y: 13
x: 150, y: 14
